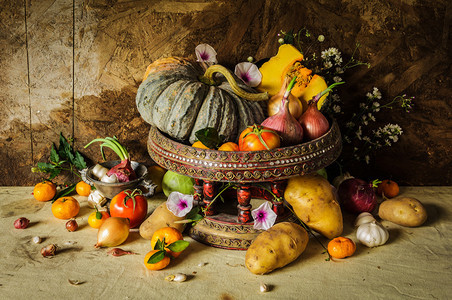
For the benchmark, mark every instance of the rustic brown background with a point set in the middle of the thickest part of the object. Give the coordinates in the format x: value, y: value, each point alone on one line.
x: 74, y: 67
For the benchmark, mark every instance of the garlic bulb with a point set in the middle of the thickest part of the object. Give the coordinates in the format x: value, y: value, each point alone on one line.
x: 363, y: 218
x: 372, y: 234
x: 99, y: 171
x: 109, y: 179
x: 96, y: 199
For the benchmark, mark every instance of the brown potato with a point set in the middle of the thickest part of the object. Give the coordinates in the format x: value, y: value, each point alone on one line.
x: 161, y: 217
x: 276, y: 247
x: 403, y: 211
x: 315, y: 203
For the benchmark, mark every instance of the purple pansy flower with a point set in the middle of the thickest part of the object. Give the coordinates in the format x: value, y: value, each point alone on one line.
x: 179, y: 204
x: 205, y: 53
x: 264, y: 217
x: 248, y: 73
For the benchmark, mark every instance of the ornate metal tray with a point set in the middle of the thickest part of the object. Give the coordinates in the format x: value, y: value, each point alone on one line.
x: 235, y: 230
x: 245, y: 166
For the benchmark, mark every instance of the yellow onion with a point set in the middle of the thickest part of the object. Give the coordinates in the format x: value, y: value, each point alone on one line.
x: 113, y: 232
x: 284, y: 123
x: 295, y: 105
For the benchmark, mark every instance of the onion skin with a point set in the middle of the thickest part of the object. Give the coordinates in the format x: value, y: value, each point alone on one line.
x: 113, y: 232
x: 357, y: 196
x: 288, y: 128
x: 295, y: 105
x: 314, y: 123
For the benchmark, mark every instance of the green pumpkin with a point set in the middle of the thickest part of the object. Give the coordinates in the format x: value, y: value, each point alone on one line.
x: 178, y: 98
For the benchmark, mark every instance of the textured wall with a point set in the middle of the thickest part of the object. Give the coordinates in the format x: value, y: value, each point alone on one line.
x: 74, y: 67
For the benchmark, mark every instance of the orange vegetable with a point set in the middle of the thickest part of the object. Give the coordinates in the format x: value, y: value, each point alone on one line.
x: 169, y: 235
x: 158, y: 265
x: 198, y: 144
x: 65, y: 208
x: 44, y: 191
x: 388, y: 188
x: 341, y: 247
x: 82, y: 188
x: 96, y: 218
x: 229, y: 146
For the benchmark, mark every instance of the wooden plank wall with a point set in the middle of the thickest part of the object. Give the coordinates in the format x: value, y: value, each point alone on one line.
x: 74, y: 66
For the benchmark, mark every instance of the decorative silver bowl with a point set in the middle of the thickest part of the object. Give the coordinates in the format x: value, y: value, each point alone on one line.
x: 109, y: 190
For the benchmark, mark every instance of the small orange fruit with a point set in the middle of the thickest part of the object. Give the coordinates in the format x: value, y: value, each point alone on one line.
x: 198, y: 144
x: 65, y: 207
x: 170, y: 234
x: 44, y: 191
x: 341, y: 247
x: 96, y: 218
x: 229, y: 146
x: 388, y: 188
x: 158, y: 265
x: 82, y: 188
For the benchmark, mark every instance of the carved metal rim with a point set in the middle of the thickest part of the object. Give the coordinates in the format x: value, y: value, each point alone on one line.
x: 245, y: 166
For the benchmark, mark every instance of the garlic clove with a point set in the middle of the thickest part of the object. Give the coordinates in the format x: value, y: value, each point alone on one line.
x: 36, y: 240
x: 179, y: 277
x: 109, y: 179
x: 263, y: 288
x: 363, y: 218
x: 99, y: 171
x: 96, y: 199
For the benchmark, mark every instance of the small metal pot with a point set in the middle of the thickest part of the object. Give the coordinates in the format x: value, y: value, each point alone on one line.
x: 109, y: 190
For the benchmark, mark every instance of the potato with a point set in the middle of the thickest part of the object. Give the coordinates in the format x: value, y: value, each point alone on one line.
x: 315, y: 203
x: 161, y: 217
x: 276, y: 247
x: 403, y: 211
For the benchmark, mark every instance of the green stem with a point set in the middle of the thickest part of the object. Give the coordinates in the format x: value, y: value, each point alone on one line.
x: 113, y: 144
x: 207, y: 78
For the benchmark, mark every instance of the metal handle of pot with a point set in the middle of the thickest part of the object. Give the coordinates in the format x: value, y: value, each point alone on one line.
x: 150, y: 186
x: 85, y: 178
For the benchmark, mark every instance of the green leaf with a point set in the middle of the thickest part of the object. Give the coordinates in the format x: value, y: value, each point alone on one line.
x: 64, y: 192
x: 79, y: 161
x: 54, y: 157
x: 45, y: 167
x: 156, y: 257
x: 192, y: 213
x: 289, y: 38
x: 178, y: 246
x: 159, y: 245
x: 64, y: 148
x: 98, y: 215
x: 210, y: 137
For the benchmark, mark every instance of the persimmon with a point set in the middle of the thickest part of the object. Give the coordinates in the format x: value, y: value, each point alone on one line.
x: 44, y: 191
x: 388, y: 188
x: 341, y: 247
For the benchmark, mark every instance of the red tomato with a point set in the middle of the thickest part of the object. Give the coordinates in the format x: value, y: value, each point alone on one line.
x: 130, y: 204
x: 258, y: 137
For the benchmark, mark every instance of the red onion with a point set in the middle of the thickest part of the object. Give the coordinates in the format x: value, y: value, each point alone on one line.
x: 284, y: 123
x: 357, y: 195
x: 313, y: 122
x: 21, y: 223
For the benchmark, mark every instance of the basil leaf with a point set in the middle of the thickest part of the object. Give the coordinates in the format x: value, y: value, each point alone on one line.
x: 192, y: 213
x: 178, y: 246
x: 156, y: 257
